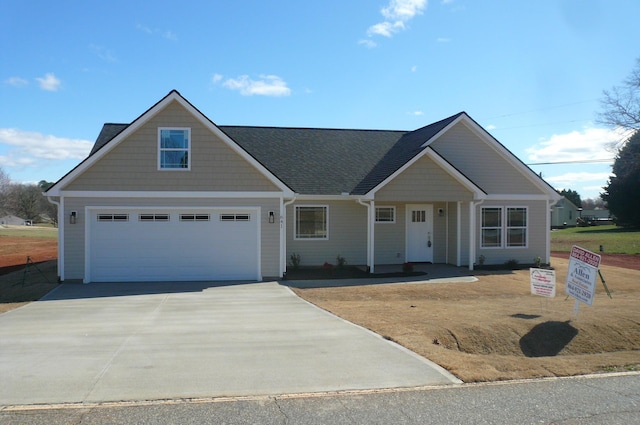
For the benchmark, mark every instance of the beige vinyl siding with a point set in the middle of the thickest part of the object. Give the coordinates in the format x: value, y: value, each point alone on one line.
x: 537, y: 234
x: 390, y: 241
x: 74, y: 239
x: 481, y: 163
x: 347, y: 235
x: 133, y: 164
x: 439, y: 233
x: 423, y: 181
x: 464, y: 234
x: 452, y: 216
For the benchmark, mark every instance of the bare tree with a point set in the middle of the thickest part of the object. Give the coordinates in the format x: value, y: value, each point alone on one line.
x: 621, y: 104
x: 5, y: 183
x: 24, y: 201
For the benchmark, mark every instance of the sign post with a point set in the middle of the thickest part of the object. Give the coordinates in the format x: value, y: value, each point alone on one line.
x: 582, y: 274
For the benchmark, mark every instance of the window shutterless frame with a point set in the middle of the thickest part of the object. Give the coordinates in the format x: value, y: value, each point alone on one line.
x: 386, y: 214
x: 174, y: 148
x: 311, y: 223
x: 504, y: 227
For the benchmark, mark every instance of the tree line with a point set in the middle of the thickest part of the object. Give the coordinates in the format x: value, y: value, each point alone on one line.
x: 26, y: 201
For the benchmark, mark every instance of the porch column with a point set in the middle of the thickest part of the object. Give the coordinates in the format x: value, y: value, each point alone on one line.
x: 459, y: 234
x: 372, y: 237
x: 472, y: 234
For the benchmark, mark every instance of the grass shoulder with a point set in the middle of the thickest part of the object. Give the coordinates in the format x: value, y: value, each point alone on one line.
x: 612, y: 239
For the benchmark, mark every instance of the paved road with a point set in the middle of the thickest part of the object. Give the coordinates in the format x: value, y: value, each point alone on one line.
x: 153, y: 341
x: 609, y: 400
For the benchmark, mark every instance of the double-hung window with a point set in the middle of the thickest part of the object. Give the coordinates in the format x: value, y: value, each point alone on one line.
x: 516, y: 227
x: 312, y: 222
x: 492, y: 227
x: 174, y: 147
x: 504, y: 227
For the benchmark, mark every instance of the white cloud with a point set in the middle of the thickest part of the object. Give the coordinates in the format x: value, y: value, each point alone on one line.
x: 267, y: 85
x: 414, y: 68
x: 28, y: 147
x: 396, y: 14
x: 403, y: 10
x: 568, y: 180
x: 368, y: 43
x: 443, y: 40
x: 588, y: 144
x: 216, y: 78
x: 168, y: 34
x: 416, y: 113
x: 490, y: 127
x: 49, y: 82
x: 103, y: 53
x: 16, y: 82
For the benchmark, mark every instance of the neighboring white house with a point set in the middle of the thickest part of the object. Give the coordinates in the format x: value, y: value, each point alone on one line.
x: 564, y: 214
x: 12, y: 220
x: 173, y: 196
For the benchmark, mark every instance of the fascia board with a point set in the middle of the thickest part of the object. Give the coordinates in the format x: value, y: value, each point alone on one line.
x: 510, y: 157
x: 233, y: 145
x: 143, y: 119
x: 444, y: 130
x: 433, y: 155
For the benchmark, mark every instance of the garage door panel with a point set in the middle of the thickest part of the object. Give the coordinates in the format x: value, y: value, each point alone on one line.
x: 138, y: 250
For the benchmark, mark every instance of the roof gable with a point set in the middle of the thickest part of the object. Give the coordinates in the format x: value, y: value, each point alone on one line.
x: 113, y: 134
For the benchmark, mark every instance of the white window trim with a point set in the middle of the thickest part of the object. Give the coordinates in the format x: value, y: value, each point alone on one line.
x: 501, y: 208
x: 160, y: 150
x: 392, y: 207
x: 295, y: 222
x: 507, y: 227
x: 504, y: 227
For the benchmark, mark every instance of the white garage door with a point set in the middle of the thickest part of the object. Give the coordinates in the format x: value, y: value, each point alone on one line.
x: 131, y: 245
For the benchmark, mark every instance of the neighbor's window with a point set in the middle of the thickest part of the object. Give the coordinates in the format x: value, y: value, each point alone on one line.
x: 517, y: 227
x: 312, y: 222
x: 174, y: 148
x: 385, y: 214
x: 491, y: 227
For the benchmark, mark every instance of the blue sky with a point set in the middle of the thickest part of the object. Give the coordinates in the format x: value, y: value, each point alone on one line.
x: 530, y: 72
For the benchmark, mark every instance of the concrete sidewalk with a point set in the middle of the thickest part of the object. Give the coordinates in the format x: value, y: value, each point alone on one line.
x: 150, y: 341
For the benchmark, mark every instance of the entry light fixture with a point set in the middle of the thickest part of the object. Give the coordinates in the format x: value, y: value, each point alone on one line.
x: 272, y: 217
x: 73, y: 217
x: 440, y: 212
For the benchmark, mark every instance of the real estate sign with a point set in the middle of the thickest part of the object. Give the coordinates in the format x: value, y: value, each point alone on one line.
x: 581, y: 277
x: 543, y: 282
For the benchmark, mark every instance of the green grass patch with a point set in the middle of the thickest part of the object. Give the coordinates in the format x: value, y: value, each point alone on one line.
x: 615, y: 240
x: 37, y: 232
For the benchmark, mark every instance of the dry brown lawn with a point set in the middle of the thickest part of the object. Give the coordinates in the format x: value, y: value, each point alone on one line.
x: 494, y: 329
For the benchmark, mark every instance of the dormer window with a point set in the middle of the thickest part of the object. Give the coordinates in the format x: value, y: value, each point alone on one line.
x: 174, y: 148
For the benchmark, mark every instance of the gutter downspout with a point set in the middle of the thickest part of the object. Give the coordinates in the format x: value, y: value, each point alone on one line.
x: 472, y: 231
x: 60, y: 205
x: 370, y: 234
x: 283, y: 233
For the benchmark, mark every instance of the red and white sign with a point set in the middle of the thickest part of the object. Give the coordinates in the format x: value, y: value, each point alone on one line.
x: 582, y: 274
x: 543, y: 282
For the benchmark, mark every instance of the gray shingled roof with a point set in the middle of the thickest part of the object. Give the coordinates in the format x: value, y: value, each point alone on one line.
x: 318, y: 161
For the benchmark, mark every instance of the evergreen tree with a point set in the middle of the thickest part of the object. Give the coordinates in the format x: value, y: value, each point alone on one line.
x: 622, y: 194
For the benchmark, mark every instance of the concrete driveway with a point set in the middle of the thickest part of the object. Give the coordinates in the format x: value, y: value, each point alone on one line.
x: 151, y: 341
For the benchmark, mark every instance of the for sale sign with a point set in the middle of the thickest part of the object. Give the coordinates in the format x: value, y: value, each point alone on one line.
x: 543, y: 282
x: 581, y: 277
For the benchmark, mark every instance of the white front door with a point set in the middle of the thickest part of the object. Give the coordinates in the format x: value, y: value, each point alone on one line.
x: 420, y: 233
